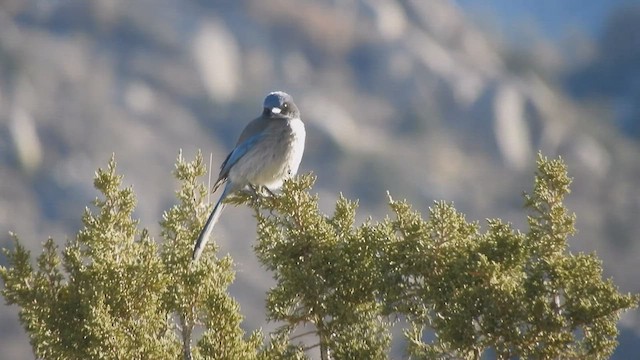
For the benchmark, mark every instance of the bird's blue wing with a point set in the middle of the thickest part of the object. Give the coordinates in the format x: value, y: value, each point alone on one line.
x: 238, y: 153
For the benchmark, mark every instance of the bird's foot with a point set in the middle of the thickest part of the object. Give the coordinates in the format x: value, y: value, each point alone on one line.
x: 268, y: 191
x: 260, y: 191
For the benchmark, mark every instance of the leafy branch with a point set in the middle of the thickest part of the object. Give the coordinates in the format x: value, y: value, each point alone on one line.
x: 113, y: 292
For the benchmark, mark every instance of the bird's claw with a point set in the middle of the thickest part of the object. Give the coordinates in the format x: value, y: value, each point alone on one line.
x: 268, y: 191
x: 258, y: 191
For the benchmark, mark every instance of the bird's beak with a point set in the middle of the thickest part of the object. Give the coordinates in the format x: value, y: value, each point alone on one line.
x: 276, y: 110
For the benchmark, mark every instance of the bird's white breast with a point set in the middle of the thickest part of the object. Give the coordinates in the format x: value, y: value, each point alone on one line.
x: 298, y: 134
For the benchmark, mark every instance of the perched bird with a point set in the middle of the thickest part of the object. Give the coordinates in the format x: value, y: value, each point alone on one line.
x: 268, y: 151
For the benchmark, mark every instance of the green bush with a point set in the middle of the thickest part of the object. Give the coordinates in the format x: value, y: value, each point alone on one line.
x: 114, y: 292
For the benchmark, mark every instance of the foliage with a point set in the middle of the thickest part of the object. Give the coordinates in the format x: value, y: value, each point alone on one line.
x: 515, y: 294
x: 521, y: 295
x: 115, y: 293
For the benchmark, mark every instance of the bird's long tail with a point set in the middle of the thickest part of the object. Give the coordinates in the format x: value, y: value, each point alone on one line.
x: 208, y: 227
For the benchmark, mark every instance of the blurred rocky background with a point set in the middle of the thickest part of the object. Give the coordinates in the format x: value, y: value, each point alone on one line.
x: 431, y: 100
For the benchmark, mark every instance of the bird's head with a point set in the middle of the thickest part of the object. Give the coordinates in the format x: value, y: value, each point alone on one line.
x: 279, y: 104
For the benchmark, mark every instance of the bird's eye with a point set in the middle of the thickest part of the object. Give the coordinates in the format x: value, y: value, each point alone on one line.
x: 285, y: 105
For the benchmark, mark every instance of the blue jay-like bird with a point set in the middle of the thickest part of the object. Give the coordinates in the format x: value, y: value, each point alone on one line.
x: 268, y: 151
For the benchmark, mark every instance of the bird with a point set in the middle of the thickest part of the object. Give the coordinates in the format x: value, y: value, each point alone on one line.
x: 268, y: 151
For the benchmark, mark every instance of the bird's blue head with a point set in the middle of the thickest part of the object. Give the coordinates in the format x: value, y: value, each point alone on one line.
x: 279, y: 104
